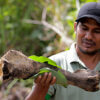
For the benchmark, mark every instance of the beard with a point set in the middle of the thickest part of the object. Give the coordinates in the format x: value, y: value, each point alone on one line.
x: 89, y: 52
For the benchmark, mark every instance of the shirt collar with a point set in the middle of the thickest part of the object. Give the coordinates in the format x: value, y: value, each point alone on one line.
x: 72, y: 55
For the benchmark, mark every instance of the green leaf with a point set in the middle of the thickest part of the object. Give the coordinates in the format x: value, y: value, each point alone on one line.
x: 43, y: 59
x: 60, y: 78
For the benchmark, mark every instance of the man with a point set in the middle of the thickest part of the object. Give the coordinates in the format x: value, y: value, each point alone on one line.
x: 84, y: 54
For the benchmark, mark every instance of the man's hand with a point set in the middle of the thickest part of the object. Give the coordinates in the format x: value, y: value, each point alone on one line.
x: 46, y: 80
x: 41, y: 87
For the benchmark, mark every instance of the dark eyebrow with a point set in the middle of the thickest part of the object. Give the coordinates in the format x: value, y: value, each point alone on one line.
x: 83, y: 24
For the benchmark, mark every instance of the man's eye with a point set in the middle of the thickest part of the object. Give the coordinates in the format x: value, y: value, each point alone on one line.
x: 97, y: 31
x: 84, y: 28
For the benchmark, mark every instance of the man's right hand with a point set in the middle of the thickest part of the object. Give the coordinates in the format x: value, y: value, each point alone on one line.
x: 41, y: 87
x: 46, y: 80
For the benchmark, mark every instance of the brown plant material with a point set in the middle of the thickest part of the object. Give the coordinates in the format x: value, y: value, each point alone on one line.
x: 17, y: 92
x: 15, y: 64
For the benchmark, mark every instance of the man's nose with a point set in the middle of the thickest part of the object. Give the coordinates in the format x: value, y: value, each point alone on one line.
x: 88, y: 35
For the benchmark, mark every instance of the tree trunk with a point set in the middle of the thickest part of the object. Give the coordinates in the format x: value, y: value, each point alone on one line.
x: 15, y: 64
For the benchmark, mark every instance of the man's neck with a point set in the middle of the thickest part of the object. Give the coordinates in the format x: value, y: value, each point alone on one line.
x: 89, y: 60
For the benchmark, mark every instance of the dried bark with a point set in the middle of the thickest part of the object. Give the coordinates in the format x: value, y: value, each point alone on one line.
x: 15, y: 64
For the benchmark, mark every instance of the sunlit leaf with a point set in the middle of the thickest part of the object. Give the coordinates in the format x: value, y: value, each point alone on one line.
x: 60, y: 78
x: 43, y: 59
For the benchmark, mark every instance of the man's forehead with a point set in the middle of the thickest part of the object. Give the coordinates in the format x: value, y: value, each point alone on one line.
x: 89, y: 21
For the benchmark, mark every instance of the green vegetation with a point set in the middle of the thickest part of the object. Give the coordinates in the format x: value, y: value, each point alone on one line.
x: 43, y: 59
x: 22, y: 27
x: 60, y: 78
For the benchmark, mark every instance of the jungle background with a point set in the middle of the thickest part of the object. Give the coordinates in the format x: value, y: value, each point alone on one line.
x: 39, y: 27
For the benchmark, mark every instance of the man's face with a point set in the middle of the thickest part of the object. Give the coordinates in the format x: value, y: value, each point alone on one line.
x: 88, y: 36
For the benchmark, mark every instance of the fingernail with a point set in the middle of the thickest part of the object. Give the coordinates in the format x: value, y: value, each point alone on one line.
x: 39, y: 76
x: 49, y: 73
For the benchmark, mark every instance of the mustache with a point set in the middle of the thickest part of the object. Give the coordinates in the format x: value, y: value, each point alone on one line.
x: 84, y: 40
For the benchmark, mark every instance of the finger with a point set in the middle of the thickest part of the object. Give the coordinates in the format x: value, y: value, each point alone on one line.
x: 44, y: 77
x: 53, y: 80
x: 49, y: 77
x: 38, y: 79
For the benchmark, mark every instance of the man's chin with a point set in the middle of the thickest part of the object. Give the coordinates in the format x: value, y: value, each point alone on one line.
x: 88, y: 52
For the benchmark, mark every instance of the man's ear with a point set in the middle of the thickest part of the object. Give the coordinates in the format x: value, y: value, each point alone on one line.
x: 75, y: 27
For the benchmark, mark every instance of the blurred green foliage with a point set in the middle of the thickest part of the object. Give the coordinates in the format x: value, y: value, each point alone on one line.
x: 32, y: 38
x: 14, y: 33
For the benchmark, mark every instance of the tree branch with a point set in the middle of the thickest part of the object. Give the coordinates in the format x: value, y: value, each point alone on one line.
x: 44, y: 14
x: 61, y: 32
x: 15, y: 64
x: 64, y: 38
x: 77, y: 5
